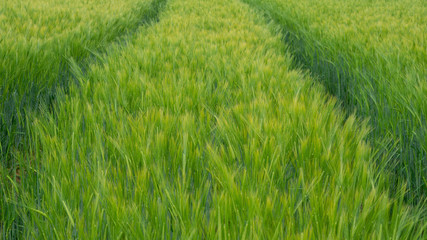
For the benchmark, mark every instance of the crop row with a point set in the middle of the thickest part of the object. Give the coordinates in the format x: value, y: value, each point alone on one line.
x: 199, y: 129
x: 373, y: 56
x: 37, y: 40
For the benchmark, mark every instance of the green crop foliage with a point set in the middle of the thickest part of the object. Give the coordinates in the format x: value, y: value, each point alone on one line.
x: 373, y: 56
x: 198, y: 128
x: 37, y: 40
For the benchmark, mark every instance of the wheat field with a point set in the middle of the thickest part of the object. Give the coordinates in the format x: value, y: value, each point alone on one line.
x: 220, y: 119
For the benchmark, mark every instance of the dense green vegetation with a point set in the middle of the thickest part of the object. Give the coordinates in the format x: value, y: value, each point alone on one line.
x: 373, y: 56
x: 37, y: 39
x: 198, y: 126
